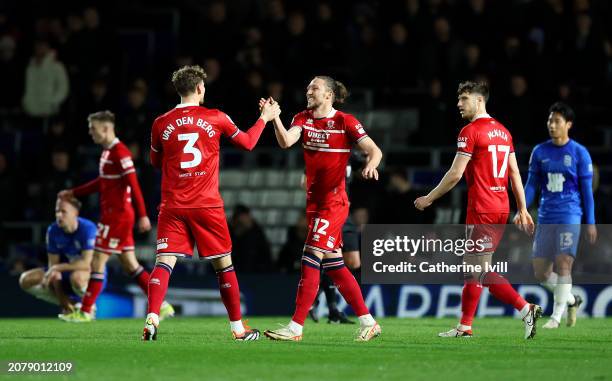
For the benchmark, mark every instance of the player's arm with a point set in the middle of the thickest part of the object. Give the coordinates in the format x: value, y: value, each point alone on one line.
x: 144, y: 224
x: 532, y: 186
x: 53, y: 260
x: 585, y: 176
x: 248, y: 140
x: 373, y: 157
x: 523, y: 218
x: 81, y: 264
x: 155, y: 155
x: 448, y: 182
x: 90, y: 187
x: 285, y: 138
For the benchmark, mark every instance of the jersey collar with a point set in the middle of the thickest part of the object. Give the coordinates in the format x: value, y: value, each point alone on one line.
x: 113, y: 143
x: 181, y: 105
x: 331, y: 114
x: 480, y: 116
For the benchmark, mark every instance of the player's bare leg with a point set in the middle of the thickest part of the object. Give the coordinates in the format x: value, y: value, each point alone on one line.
x: 79, y: 281
x: 31, y: 282
x: 230, y: 294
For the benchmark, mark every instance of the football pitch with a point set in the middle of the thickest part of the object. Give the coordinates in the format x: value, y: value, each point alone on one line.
x: 202, y: 349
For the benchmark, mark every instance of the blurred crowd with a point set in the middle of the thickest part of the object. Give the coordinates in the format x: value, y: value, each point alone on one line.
x: 59, y: 62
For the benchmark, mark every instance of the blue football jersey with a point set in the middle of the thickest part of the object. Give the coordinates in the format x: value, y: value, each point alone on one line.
x: 70, y: 245
x: 557, y: 171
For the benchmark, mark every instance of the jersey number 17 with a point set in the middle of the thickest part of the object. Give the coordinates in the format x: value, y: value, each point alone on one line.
x: 494, y: 149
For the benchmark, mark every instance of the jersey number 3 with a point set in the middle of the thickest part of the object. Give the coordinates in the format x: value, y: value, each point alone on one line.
x: 190, y: 148
x: 494, y: 149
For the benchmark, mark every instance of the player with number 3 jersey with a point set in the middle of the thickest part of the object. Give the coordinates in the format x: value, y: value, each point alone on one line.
x: 185, y: 146
x: 486, y: 155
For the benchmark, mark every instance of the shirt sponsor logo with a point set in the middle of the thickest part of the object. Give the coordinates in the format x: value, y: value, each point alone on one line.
x: 498, y: 189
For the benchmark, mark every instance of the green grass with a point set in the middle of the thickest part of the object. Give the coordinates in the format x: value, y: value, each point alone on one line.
x: 202, y: 349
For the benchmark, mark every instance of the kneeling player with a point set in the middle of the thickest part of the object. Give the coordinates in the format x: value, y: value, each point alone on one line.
x: 561, y: 169
x: 70, y: 243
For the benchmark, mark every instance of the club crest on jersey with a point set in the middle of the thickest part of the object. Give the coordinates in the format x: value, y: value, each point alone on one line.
x: 309, y: 121
x: 330, y: 124
x: 567, y: 160
x: 113, y: 243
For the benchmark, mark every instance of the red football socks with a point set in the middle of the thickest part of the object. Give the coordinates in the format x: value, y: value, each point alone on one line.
x: 142, y: 278
x: 308, y: 287
x: 346, y: 283
x: 469, y: 301
x: 230, y: 292
x: 94, y: 288
x: 158, y: 286
x: 503, y: 290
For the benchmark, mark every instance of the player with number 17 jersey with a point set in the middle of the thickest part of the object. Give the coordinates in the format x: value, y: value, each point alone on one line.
x: 488, y: 143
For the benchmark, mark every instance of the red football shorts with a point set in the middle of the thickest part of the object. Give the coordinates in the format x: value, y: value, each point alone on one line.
x: 325, y: 226
x: 178, y: 229
x: 487, y: 227
x: 115, y: 234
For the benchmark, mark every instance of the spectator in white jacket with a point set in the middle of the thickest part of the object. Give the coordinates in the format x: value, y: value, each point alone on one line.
x: 46, y: 83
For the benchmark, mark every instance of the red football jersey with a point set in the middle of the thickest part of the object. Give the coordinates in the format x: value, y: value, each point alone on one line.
x: 115, y: 193
x: 327, y: 146
x: 489, y: 144
x: 187, y: 138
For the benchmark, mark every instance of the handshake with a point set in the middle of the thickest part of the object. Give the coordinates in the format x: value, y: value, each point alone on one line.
x: 269, y: 109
